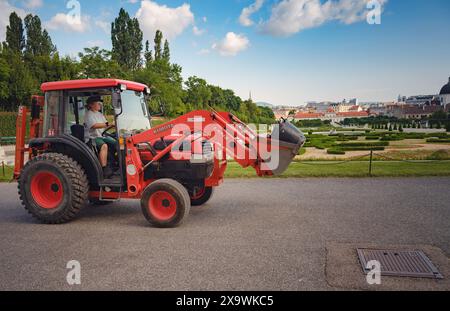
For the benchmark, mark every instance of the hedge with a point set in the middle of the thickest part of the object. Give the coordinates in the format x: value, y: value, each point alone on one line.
x: 368, y: 148
x: 336, y: 151
x: 437, y: 140
x: 365, y: 144
x: 8, y: 124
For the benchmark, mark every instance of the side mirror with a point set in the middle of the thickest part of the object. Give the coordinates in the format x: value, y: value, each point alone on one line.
x: 116, y: 102
x: 158, y: 100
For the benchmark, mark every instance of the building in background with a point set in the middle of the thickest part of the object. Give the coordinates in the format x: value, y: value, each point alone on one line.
x: 444, y: 94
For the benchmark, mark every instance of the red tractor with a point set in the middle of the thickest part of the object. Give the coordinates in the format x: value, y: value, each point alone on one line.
x: 168, y: 167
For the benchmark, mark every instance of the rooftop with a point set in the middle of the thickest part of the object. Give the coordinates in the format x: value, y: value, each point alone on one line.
x: 91, y: 83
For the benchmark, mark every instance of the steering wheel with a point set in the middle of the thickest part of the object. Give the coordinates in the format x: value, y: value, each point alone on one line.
x: 112, y: 135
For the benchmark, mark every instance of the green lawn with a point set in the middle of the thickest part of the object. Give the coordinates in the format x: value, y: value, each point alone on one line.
x: 8, y: 173
x: 351, y: 169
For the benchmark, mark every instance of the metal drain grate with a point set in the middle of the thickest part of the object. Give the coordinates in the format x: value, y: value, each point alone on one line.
x: 400, y: 263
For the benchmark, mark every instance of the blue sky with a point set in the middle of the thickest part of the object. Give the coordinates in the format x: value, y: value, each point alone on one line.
x: 285, y: 52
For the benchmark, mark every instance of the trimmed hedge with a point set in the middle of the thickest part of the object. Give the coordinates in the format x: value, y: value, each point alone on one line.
x: 336, y: 151
x: 438, y: 141
x: 368, y: 148
x: 365, y: 144
x: 391, y: 138
x: 8, y: 124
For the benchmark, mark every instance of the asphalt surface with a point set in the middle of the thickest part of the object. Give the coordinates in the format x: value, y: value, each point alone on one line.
x: 254, y: 234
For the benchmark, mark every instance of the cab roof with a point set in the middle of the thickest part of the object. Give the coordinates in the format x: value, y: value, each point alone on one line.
x: 91, y: 83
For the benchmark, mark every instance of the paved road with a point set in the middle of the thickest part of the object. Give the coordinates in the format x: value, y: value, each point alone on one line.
x: 254, y: 234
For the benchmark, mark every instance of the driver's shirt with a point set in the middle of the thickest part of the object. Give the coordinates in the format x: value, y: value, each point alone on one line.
x: 90, y: 119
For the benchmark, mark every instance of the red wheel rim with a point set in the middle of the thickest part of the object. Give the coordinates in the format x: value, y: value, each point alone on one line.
x: 162, y: 205
x: 46, y: 190
x: 199, y: 194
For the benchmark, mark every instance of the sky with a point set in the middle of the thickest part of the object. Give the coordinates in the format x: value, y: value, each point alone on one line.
x: 285, y: 52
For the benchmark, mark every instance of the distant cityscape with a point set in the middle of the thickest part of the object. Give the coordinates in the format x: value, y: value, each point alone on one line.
x: 405, y: 107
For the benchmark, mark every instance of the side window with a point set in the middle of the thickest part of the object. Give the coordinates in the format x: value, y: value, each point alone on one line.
x: 53, y: 100
x: 70, y: 115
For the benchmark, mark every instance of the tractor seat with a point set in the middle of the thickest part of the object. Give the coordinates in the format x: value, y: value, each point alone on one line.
x: 77, y: 131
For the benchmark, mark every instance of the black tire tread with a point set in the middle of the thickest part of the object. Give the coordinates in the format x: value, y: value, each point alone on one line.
x: 78, y: 181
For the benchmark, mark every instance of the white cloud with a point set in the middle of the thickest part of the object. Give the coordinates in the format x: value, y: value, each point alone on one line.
x: 244, y: 19
x: 65, y: 22
x: 197, y: 31
x: 5, y: 10
x: 291, y: 16
x: 232, y: 44
x: 171, y: 21
x: 33, y: 4
x: 105, y: 26
x: 133, y: 1
x: 205, y: 19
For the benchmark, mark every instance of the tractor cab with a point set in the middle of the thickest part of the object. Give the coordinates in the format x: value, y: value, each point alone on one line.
x: 62, y: 125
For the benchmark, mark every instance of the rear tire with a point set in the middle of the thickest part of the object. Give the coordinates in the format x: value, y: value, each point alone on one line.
x: 202, y: 197
x: 165, y: 203
x: 53, y: 188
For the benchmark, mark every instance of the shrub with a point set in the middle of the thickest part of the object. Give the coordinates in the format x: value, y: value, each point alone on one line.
x: 8, y: 124
x: 368, y: 148
x: 391, y: 138
x: 336, y: 151
x: 438, y: 141
x: 439, y: 155
x: 365, y: 144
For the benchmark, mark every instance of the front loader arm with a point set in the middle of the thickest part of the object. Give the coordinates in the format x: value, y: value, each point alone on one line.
x: 235, y: 138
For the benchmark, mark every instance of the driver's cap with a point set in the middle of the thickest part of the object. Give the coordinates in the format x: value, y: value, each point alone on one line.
x: 94, y: 98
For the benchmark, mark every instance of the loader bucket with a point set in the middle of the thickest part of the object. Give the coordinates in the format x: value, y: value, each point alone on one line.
x: 287, y: 141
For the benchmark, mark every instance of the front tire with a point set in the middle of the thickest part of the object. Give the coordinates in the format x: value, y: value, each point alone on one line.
x: 202, y: 196
x: 53, y: 188
x: 165, y: 203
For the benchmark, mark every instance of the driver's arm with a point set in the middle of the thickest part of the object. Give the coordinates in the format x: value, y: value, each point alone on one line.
x: 100, y: 126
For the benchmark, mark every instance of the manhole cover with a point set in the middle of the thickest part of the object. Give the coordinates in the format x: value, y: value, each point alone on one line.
x: 400, y: 263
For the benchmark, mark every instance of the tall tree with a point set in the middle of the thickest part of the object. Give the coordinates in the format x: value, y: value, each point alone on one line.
x: 38, y: 41
x: 126, y: 37
x: 15, y: 38
x: 158, y: 45
x: 148, y: 56
x: 166, y: 51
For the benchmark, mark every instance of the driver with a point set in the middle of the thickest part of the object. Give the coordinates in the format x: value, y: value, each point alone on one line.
x: 95, y: 123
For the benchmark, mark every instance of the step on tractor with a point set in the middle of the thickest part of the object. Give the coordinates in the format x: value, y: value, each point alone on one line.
x: 169, y: 167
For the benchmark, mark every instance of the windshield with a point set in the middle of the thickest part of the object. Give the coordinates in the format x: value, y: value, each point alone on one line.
x: 134, y: 118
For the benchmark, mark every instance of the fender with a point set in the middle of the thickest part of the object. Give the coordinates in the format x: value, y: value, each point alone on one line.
x: 77, y: 150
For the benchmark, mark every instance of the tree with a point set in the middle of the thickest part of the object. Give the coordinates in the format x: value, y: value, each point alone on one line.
x: 198, y: 94
x: 166, y: 51
x: 15, y: 39
x: 21, y: 83
x: 148, y: 56
x: 390, y: 127
x: 97, y: 63
x: 38, y: 42
x: 158, y: 47
x: 126, y: 37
